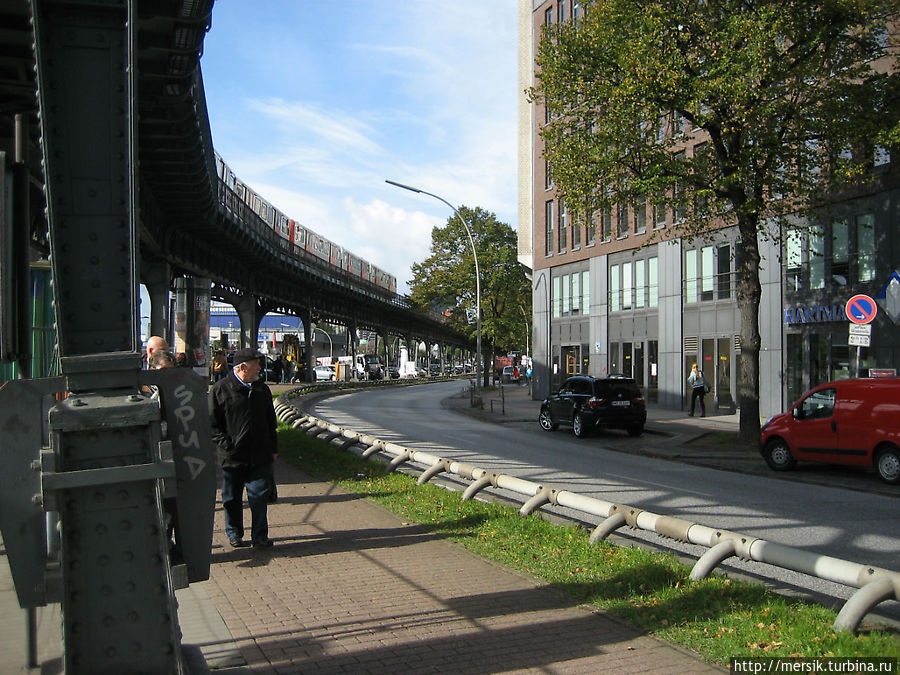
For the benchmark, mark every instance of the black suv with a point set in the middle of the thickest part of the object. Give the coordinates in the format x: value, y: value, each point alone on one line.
x: 588, y: 403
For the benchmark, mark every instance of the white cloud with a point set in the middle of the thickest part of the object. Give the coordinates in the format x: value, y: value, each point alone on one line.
x: 338, y: 130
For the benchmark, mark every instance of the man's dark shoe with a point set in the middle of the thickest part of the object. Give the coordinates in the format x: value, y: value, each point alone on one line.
x: 263, y: 543
x: 237, y: 542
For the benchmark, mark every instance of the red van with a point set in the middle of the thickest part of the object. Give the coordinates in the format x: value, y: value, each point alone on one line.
x: 853, y: 422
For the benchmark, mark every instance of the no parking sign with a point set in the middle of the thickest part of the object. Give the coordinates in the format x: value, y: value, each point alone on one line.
x: 861, y: 309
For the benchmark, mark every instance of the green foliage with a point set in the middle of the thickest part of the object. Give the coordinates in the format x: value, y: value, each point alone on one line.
x: 718, y: 617
x: 780, y: 91
x: 446, y: 279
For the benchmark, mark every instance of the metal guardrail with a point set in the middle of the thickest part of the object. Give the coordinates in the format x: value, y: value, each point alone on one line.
x: 874, y: 584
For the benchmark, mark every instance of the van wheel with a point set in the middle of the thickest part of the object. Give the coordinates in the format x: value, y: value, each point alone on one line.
x: 578, y: 427
x: 778, y: 455
x: 546, y: 422
x: 888, y: 463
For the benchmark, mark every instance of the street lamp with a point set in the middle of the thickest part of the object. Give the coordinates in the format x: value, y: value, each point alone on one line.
x: 479, y: 357
x: 330, y: 343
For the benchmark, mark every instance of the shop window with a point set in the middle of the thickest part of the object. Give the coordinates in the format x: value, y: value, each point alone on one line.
x: 565, y: 295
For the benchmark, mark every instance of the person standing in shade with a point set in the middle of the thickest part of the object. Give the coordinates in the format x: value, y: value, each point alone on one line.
x: 698, y: 389
x: 154, y: 342
x: 243, y: 426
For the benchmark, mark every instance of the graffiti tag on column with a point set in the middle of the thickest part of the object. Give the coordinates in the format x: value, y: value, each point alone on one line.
x: 188, y: 437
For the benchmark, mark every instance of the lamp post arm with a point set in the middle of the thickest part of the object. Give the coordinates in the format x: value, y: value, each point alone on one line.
x: 479, y: 355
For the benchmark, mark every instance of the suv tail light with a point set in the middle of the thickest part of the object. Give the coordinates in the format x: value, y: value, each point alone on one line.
x: 596, y: 402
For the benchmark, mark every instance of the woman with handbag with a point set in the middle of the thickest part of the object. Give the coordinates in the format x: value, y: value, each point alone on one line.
x: 698, y: 390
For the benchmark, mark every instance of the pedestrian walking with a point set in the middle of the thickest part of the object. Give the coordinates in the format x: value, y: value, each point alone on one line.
x: 698, y: 389
x: 243, y: 426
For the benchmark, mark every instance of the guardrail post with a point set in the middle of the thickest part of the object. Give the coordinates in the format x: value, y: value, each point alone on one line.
x: 711, y: 559
x: 862, y: 602
x: 607, y: 527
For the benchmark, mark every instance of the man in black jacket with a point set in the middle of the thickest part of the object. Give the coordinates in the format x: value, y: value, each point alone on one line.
x: 242, y: 421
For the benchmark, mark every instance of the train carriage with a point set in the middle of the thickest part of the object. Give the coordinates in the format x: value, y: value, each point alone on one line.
x: 301, y: 242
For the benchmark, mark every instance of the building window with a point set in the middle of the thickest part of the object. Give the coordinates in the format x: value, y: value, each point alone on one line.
x: 793, y: 259
x: 548, y: 16
x: 576, y: 233
x: 723, y: 255
x: 557, y: 304
x: 865, y: 238
x: 659, y: 211
x: 621, y: 221
x: 563, y: 226
x: 565, y: 294
x: 678, y: 193
x: 561, y: 8
x: 690, y: 276
x: 640, y: 216
x: 627, y: 282
x: 585, y: 293
x: 606, y: 223
x: 640, y: 283
x: 653, y: 281
x: 840, y: 252
x: 576, y: 295
x: 548, y: 227
x: 614, y: 298
x: 591, y: 229
x: 816, y: 258
x: 707, y: 273
x: 548, y: 179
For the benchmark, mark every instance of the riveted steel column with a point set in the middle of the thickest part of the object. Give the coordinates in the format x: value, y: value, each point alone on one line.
x: 107, y: 464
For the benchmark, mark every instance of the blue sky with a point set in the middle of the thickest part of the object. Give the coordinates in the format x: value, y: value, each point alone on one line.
x: 315, y: 103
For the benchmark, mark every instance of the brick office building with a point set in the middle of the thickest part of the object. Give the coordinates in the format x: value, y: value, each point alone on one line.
x: 608, y: 302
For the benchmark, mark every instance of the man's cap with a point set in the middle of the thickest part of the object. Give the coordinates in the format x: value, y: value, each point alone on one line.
x: 246, y: 354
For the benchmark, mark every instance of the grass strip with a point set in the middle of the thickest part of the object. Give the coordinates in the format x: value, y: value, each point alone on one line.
x: 719, y: 618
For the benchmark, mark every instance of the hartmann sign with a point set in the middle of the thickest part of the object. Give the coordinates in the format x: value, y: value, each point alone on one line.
x: 814, y: 314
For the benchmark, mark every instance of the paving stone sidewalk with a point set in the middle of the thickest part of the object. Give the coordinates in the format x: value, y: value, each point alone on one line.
x: 350, y: 588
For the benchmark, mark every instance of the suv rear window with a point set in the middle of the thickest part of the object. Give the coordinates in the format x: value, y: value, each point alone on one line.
x: 618, y: 388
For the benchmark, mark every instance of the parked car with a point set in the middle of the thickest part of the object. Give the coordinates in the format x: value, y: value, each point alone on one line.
x: 324, y: 373
x: 589, y: 403
x: 852, y: 422
x: 394, y: 372
x: 434, y: 369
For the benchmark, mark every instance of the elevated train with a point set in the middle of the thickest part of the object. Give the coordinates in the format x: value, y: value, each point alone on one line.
x: 300, y: 241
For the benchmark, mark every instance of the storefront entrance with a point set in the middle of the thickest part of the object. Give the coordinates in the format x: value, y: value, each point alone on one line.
x: 714, y: 357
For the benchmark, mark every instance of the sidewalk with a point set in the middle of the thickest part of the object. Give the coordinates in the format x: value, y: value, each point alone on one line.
x: 351, y: 588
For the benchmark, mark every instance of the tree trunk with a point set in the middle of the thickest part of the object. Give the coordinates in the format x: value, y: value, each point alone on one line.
x: 749, y: 292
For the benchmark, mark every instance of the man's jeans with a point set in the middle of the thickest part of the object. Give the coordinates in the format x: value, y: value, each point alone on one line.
x: 258, y: 481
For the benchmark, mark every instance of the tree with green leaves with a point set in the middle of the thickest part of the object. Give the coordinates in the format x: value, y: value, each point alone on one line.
x: 445, y: 281
x: 792, y: 98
